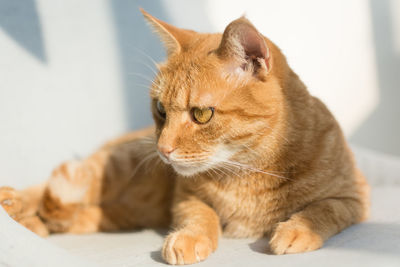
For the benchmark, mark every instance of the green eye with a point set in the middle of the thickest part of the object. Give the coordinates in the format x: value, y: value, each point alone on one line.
x: 202, y: 115
x: 160, y: 109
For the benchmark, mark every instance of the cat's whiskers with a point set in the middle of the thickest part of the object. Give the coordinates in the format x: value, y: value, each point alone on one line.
x: 156, y: 87
x: 147, y: 66
x: 150, y: 155
x: 146, y: 55
x: 251, y: 168
x: 228, y: 168
x: 274, y: 131
x: 145, y: 144
x: 222, y: 168
x: 249, y: 149
x: 214, y: 172
x: 152, y: 83
x: 148, y: 139
x: 145, y: 86
x: 243, y: 145
x: 156, y: 72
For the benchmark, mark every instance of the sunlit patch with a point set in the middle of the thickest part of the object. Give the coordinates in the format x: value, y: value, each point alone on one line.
x: 66, y: 183
x: 205, y: 100
x: 235, y: 76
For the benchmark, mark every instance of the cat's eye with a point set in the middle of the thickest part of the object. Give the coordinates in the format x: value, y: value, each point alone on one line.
x: 202, y: 115
x: 160, y: 109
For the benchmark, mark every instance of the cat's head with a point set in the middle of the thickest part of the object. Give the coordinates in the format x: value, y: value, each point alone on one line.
x: 217, y: 101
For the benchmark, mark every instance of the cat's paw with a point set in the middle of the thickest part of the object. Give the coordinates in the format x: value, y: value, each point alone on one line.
x: 184, y: 247
x: 290, y: 237
x: 11, y: 201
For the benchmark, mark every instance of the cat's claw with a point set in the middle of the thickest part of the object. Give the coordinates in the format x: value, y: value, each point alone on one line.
x: 184, y: 247
x: 290, y: 237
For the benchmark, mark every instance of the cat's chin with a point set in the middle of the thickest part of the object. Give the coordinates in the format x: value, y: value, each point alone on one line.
x: 188, y: 171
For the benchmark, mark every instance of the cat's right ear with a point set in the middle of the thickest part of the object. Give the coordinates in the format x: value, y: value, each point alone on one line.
x: 245, y: 48
x: 174, y: 39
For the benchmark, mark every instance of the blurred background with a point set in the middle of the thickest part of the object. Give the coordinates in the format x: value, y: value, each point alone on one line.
x: 75, y: 73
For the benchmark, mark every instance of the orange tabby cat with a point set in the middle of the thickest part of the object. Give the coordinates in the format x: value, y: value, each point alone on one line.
x: 239, y: 147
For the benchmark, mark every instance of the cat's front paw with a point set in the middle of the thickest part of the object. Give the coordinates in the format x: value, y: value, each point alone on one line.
x: 184, y: 247
x: 11, y: 201
x: 290, y: 237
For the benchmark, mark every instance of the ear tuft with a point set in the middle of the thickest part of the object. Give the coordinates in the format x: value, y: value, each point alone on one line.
x: 174, y: 39
x: 242, y: 43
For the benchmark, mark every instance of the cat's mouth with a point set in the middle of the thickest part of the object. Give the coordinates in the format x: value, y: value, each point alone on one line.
x: 190, y: 165
x: 188, y: 170
x: 185, y: 168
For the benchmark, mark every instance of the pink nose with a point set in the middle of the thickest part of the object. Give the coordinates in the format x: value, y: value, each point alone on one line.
x: 165, y: 150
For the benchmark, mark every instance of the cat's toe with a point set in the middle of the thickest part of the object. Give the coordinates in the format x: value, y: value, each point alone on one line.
x: 291, y: 238
x: 10, y: 201
x: 183, y: 247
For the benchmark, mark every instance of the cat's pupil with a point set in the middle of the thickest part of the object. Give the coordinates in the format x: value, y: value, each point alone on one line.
x: 202, y: 115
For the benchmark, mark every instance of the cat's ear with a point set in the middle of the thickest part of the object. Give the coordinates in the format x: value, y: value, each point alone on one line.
x: 174, y: 39
x: 245, y: 47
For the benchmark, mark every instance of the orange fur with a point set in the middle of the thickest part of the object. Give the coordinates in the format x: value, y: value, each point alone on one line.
x: 271, y: 161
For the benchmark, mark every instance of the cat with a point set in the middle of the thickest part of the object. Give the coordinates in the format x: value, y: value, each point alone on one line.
x: 239, y: 147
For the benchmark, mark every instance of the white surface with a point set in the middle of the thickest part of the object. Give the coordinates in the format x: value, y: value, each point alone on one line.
x: 73, y: 72
x: 379, y: 168
x: 373, y: 243
x: 19, y: 247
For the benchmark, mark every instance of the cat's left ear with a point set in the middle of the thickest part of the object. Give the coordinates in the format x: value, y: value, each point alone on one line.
x: 175, y: 39
x: 244, y: 47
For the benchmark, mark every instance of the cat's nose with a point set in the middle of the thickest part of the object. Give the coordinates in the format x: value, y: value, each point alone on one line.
x: 165, y: 150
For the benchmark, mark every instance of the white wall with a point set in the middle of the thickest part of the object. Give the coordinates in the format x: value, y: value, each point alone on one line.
x: 73, y: 73
x: 346, y: 52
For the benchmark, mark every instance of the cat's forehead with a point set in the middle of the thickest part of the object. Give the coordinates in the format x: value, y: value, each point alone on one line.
x: 188, y: 84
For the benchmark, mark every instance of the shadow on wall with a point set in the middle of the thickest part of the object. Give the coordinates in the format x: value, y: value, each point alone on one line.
x: 139, y: 49
x: 381, y: 130
x: 27, y: 32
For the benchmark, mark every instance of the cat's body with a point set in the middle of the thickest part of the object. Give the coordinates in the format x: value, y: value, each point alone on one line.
x: 263, y: 157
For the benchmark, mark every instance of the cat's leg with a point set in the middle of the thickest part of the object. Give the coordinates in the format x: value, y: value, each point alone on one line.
x: 308, y: 229
x: 96, y: 194
x: 72, y: 199
x: 83, y: 196
x: 67, y: 202
x: 196, y: 234
x: 23, y: 205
